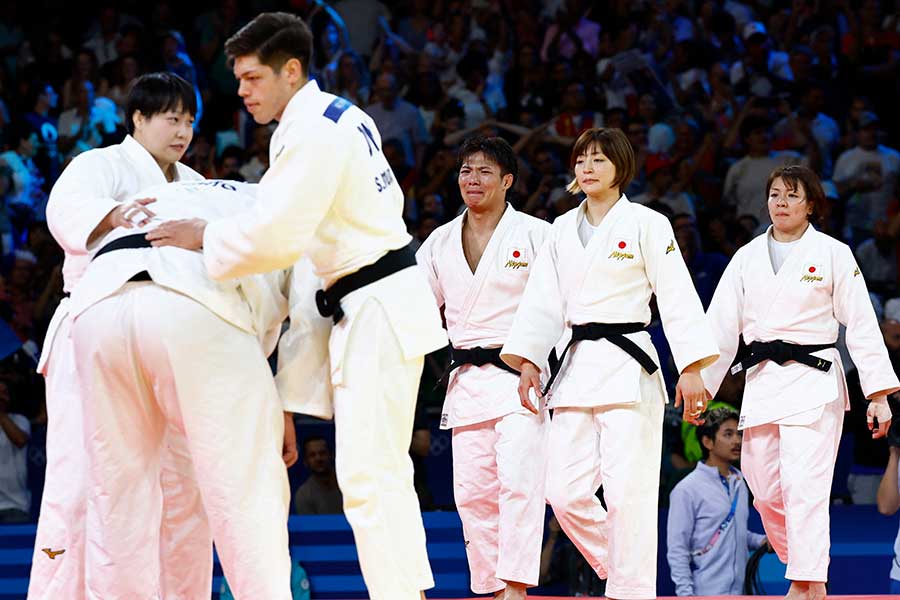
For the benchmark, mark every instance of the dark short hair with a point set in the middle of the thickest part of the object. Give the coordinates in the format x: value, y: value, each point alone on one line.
x: 35, y: 91
x: 794, y: 175
x: 313, y: 438
x: 452, y: 108
x: 614, y: 144
x: 472, y: 62
x: 394, y: 143
x: 231, y: 152
x: 495, y: 149
x: 17, y: 131
x: 752, y: 123
x: 275, y: 38
x: 713, y: 421
x: 683, y: 215
x: 156, y: 93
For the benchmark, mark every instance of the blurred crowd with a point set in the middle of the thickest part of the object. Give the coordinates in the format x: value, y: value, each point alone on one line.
x: 713, y: 95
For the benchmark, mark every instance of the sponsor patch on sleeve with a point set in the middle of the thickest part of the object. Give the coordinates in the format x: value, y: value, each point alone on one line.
x: 336, y: 109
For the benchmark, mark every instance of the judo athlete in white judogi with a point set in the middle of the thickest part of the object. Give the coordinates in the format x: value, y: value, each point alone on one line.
x: 596, y: 273
x: 786, y: 292
x: 331, y: 195
x: 89, y: 199
x: 477, y: 266
x: 160, y: 345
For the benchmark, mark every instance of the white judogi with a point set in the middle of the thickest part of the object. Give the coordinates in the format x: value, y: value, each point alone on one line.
x: 93, y: 184
x: 187, y: 353
x: 792, y: 414
x: 330, y: 194
x: 500, y: 496
x: 607, y: 424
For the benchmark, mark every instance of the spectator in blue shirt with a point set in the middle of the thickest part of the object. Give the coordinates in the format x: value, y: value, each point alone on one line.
x: 708, y: 541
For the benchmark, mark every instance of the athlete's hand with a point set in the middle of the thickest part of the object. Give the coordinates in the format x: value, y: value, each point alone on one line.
x: 289, y: 453
x: 530, y: 379
x: 129, y: 215
x: 132, y: 214
x: 879, y: 409
x: 691, y: 390
x: 183, y: 233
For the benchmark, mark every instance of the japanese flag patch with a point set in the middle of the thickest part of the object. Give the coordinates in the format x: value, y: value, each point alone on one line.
x: 621, y: 249
x: 811, y: 273
x: 516, y: 258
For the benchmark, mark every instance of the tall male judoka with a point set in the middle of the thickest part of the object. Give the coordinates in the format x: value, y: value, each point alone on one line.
x: 159, y: 346
x: 91, y: 197
x: 330, y: 194
x: 477, y: 266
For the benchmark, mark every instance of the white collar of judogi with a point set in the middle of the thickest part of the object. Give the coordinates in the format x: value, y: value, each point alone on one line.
x: 145, y: 161
x: 300, y: 98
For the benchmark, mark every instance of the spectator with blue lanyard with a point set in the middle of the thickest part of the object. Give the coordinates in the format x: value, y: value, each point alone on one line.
x: 707, y: 537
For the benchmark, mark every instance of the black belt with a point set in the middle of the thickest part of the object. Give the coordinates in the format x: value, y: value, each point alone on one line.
x: 782, y: 352
x: 474, y: 356
x: 329, y: 301
x: 135, y: 240
x: 615, y: 334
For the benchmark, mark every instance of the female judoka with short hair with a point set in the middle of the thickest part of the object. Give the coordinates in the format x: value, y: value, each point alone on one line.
x: 596, y: 272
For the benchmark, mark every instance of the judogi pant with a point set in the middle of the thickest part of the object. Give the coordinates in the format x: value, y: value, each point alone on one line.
x: 374, y: 405
x: 789, y: 469
x: 185, y: 540
x: 152, y: 359
x: 498, y: 483
x: 618, y: 446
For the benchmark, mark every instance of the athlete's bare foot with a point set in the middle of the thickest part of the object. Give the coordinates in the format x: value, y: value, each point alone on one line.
x: 816, y: 591
x: 514, y: 591
x: 797, y: 591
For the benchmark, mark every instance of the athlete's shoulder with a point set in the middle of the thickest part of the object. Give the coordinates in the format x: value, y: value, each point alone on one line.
x: 568, y: 218
x: 532, y: 223
x: 442, y: 232
x: 100, y: 155
x: 647, y: 215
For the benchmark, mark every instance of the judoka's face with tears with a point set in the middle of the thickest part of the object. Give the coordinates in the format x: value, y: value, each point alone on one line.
x: 595, y: 172
x: 481, y: 184
x: 788, y: 206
